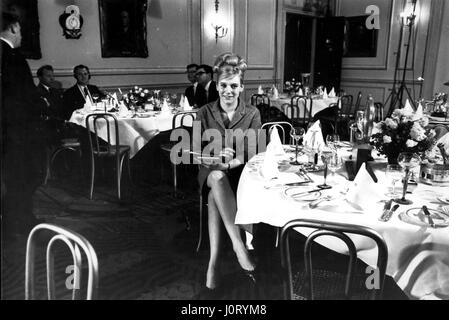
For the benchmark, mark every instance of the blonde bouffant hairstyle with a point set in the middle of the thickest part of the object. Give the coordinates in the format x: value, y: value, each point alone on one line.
x: 230, y: 64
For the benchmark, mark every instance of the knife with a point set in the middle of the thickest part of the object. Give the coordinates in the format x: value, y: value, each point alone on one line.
x: 386, y: 210
x: 427, y: 213
x: 390, y: 213
x: 295, y: 184
x: 305, y: 192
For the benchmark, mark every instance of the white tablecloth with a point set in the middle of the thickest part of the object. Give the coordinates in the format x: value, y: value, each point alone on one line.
x: 134, y: 132
x: 317, y: 106
x: 418, y: 258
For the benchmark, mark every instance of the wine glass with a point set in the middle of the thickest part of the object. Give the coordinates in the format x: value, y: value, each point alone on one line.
x: 408, y: 161
x: 332, y: 140
x: 95, y: 98
x: 296, y: 133
x: 335, y: 163
x: 326, y: 156
x: 393, y: 173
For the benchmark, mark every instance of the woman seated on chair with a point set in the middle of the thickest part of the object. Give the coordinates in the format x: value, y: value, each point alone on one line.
x: 228, y: 114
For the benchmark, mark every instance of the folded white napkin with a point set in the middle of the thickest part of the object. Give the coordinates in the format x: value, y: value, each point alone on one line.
x: 165, y: 109
x: 275, y: 93
x: 275, y: 146
x: 300, y: 92
x: 186, y: 106
x: 419, y: 113
x: 123, y: 110
x: 181, y: 101
x: 313, y: 139
x: 260, y: 90
x: 332, y: 93
x: 88, y: 106
x: 269, y: 168
x: 364, y: 193
x: 325, y: 96
x: 408, y: 107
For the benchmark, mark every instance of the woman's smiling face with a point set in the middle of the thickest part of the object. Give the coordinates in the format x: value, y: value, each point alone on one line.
x: 229, y: 89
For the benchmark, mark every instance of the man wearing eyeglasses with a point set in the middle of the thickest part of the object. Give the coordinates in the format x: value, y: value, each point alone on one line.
x: 191, y: 90
x: 206, y: 90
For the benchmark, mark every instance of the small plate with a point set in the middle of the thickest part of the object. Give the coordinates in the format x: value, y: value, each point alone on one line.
x: 291, y: 194
x: 416, y: 217
x: 444, y: 200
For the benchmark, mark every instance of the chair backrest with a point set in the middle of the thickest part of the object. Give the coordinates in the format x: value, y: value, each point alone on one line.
x: 258, y: 99
x: 305, y: 109
x: 346, y: 105
x: 379, y: 112
x: 358, y: 101
x: 339, y: 231
x: 181, y: 119
x: 93, y: 123
x: 75, y: 242
x: 283, y: 126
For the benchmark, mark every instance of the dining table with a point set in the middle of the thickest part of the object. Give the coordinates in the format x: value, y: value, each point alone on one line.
x: 318, y: 104
x: 135, y: 128
x: 418, y: 254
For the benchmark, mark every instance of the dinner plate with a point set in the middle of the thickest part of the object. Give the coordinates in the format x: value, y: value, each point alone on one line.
x: 417, y: 217
x: 444, y: 200
x: 293, y: 193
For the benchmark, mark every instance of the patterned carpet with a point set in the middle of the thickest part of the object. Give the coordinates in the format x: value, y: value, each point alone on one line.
x: 143, y: 247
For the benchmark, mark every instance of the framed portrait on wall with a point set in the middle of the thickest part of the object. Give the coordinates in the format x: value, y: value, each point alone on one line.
x: 123, y: 28
x: 27, y: 12
x: 359, y: 42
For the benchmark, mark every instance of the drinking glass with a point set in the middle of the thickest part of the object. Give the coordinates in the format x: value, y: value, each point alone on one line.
x: 332, y: 140
x: 335, y: 163
x: 408, y: 161
x: 326, y: 156
x: 297, y: 134
x: 393, y: 173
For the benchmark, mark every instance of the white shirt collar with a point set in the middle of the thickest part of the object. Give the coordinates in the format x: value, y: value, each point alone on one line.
x: 207, y: 86
x: 46, y: 87
x: 8, y: 42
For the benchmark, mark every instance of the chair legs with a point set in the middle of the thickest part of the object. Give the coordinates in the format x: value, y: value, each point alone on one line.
x: 51, y: 156
x: 92, y: 177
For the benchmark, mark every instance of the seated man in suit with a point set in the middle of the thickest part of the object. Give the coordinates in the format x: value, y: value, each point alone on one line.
x: 51, y: 93
x: 206, y: 90
x: 75, y: 97
x: 191, y: 75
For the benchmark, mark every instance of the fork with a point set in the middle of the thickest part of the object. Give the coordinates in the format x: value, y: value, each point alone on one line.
x: 315, y: 203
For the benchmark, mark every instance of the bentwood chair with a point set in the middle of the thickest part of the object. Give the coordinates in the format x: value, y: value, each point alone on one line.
x: 76, y: 244
x: 263, y: 104
x: 304, y: 106
x: 284, y: 127
x: 111, y: 150
x: 357, y: 104
x: 181, y: 121
x: 302, y: 283
x: 72, y: 145
x: 379, y: 112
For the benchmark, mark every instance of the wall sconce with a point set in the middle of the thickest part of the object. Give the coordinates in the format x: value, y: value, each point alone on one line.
x: 217, y: 23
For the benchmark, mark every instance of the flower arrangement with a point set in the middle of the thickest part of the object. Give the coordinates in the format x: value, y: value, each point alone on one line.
x: 292, y: 86
x: 404, y: 131
x: 139, y: 97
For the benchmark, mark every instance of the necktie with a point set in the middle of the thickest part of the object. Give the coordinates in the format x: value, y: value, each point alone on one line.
x: 86, y: 94
x: 200, y: 96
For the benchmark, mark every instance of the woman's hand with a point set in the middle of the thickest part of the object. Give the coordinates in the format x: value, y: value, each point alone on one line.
x: 227, y: 154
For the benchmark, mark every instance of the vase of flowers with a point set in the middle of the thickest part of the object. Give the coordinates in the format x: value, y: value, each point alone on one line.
x: 292, y: 86
x: 404, y: 131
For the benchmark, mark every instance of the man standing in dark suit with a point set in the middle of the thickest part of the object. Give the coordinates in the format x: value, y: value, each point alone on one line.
x: 190, y: 91
x: 22, y: 155
x: 76, y: 96
x: 206, y: 90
